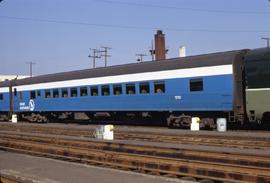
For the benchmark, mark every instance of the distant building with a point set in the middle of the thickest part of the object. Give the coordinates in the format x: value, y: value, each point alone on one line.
x: 9, y: 77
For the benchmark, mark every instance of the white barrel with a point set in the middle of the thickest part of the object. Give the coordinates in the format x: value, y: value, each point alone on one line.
x: 195, y: 124
x: 99, y: 132
x: 108, y: 132
x: 104, y: 132
x: 221, y: 124
x: 14, y: 118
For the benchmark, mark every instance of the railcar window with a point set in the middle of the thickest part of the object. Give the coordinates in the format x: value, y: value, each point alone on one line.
x: 38, y: 93
x: 117, y: 89
x: 64, y: 92
x: 105, y: 90
x: 130, y: 89
x: 159, y: 87
x: 1, y: 96
x: 83, y: 91
x: 55, y: 93
x: 32, y: 94
x: 47, y: 94
x: 21, y: 95
x: 144, y: 88
x: 74, y: 92
x: 94, y: 91
x: 258, y: 73
x: 196, y: 84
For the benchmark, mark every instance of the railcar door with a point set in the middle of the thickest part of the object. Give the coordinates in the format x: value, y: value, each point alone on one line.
x: 13, y: 98
x: 10, y: 99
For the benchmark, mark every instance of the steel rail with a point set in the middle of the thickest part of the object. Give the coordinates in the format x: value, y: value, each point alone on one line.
x: 150, y: 164
x: 12, y: 179
x: 219, y: 141
x: 143, y: 163
x: 180, y: 153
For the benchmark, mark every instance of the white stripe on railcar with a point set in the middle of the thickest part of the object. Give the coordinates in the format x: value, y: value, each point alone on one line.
x: 4, y: 90
x: 258, y: 89
x: 157, y: 75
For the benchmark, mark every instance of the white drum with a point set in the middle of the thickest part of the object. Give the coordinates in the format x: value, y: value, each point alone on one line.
x: 14, y: 118
x: 221, y: 124
x: 99, y: 132
x: 108, y: 132
x: 104, y: 132
x: 195, y: 124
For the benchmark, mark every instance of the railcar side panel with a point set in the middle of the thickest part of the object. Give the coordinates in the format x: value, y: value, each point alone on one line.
x: 216, y: 94
x: 4, y: 102
x: 258, y: 84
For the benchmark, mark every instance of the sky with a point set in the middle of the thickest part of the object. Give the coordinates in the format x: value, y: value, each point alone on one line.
x: 57, y: 34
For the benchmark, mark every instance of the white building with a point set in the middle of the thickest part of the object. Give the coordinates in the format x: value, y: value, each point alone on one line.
x: 9, y: 77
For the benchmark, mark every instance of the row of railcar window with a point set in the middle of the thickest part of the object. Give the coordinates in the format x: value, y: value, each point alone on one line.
x: 144, y: 88
x: 117, y: 89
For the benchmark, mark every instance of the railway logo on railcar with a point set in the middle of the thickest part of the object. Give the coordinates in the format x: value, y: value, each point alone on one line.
x: 31, y: 105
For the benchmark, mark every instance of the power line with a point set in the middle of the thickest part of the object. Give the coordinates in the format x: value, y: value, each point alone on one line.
x: 178, y: 8
x: 129, y: 26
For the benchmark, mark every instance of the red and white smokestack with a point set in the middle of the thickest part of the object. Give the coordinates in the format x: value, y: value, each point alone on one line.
x: 160, y: 50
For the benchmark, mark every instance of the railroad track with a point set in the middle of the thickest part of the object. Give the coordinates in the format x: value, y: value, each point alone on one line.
x: 218, y: 141
x: 6, y: 178
x: 203, y: 166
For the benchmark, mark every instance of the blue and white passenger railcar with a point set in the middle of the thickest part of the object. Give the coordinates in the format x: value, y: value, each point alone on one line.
x: 204, y: 85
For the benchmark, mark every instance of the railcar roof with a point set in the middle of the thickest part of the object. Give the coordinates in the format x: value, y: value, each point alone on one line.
x: 212, y: 59
x: 258, y: 54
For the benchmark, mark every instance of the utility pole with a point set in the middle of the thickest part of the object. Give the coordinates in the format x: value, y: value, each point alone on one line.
x: 31, y: 67
x: 267, y: 39
x: 105, y: 55
x: 152, y: 50
x: 94, y: 56
x: 141, y: 57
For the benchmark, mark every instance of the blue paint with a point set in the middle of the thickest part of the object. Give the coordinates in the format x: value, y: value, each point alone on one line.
x: 4, y: 104
x: 217, y: 95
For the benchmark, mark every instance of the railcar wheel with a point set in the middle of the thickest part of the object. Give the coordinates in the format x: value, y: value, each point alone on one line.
x: 33, y: 118
x: 208, y: 123
x: 41, y: 118
x: 181, y: 121
x: 3, y: 117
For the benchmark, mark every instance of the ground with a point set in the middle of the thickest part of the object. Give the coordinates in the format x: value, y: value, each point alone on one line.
x: 55, y: 171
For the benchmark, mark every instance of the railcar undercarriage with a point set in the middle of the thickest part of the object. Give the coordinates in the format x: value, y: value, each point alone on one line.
x: 162, y: 118
x: 140, y: 118
x: 4, y: 117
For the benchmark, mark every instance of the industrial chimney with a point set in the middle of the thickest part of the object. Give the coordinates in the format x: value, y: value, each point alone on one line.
x: 160, y: 50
